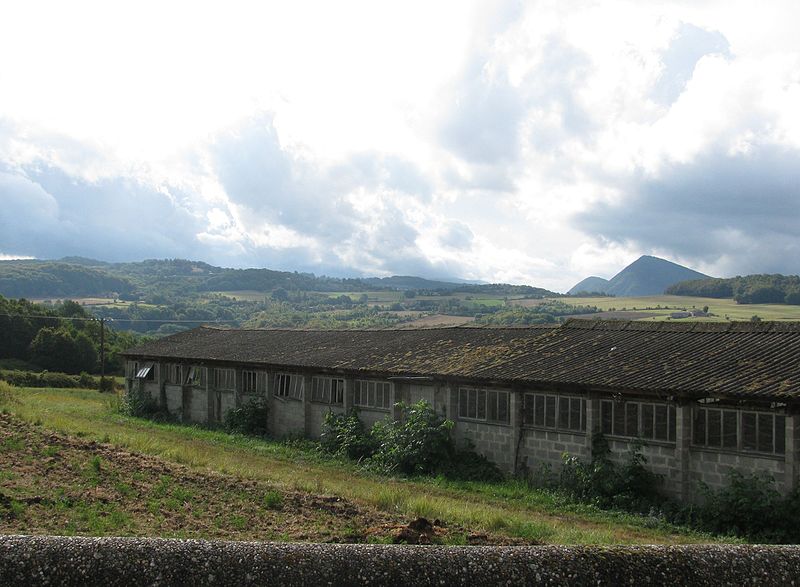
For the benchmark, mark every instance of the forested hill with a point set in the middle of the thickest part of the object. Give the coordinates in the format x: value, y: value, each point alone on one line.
x: 79, y: 277
x: 405, y: 283
x: 167, y: 279
x: 748, y: 289
x: 32, y: 279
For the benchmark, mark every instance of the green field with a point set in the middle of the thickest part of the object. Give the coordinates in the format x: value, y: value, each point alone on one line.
x: 660, y: 307
x: 510, y: 508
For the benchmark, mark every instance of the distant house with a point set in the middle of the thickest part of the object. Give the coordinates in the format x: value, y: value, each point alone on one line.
x: 706, y: 398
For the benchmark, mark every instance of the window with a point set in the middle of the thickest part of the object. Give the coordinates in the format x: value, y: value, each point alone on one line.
x: 289, y: 386
x: 174, y: 373
x: 225, y: 379
x: 739, y: 430
x: 146, y: 372
x: 254, y: 382
x: 638, y: 419
x: 554, y: 411
x: 373, y: 394
x: 196, y: 376
x: 327, y: 390
x: 485, y: 405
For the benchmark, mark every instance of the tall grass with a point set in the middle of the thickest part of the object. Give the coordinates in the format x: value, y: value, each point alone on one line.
x: 507, y: 507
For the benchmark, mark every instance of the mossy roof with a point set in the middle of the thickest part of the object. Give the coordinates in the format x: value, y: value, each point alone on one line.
x: 736, y: 359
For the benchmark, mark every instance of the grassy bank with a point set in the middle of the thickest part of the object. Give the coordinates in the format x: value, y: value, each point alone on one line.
x: 509, y: 508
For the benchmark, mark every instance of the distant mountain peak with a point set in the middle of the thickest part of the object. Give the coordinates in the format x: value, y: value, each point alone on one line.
x: 647, y: 276
x: 591, y: 284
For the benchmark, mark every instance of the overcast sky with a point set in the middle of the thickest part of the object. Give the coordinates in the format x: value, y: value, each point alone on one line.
x: 533, y: 142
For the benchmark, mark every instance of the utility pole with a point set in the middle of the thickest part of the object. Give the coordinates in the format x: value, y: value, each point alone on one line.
x: 102, y: 354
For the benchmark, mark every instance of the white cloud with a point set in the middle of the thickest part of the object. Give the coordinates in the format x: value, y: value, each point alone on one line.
x: 447, y: 139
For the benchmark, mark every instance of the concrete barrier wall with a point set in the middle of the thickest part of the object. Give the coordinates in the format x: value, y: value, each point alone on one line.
x: 136, y: 561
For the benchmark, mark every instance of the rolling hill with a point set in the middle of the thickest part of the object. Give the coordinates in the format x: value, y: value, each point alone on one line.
x: 646, y: 276
x: 175, y: 278
x: 589, y: 285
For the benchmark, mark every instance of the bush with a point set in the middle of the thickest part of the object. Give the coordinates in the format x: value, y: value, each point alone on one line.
x: 46, y: 379
x: 417, y: 444
x: 606, y: 484
x: 749, y: 506
x: 345, y: 435
x: 468, y: 465
x: 249, y: 419
x: 139, y: 404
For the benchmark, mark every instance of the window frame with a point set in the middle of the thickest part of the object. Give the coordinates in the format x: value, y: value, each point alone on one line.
x: 254, y: 382
x: 146, y: 372
x: 368, y: 388
x: 778, y: 429
x: 174, y: 374
x: 289, y: 386
x: 530, y: 411
x: 625, y: 411
x: 332, y: 392
x: 221, y: 383
x: 486, y: 404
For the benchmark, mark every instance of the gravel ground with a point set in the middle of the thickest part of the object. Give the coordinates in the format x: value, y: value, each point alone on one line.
x: 46, y: 560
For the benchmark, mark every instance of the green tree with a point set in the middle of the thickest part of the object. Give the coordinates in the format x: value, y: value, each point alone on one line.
x: 280, y: 295
x: 57, y: 349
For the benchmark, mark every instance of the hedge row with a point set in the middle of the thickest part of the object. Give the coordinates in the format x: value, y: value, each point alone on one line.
x: 50, y: 379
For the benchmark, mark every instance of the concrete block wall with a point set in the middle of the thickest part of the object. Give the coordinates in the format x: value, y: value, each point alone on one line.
x: 227, y: 402
x: 370, y: 416
x: 315, y: 414
x: 288, y: 416
x: 416, y: 393
x: 662, y: 459
x: 494, y: 441
x: 546, y: 447
x: 197, y: 410
x: 713, y: 467
x: 153, y: 389
x: 174, y: 396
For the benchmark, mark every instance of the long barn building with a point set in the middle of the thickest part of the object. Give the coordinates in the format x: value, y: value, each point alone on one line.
x: 705, y: 398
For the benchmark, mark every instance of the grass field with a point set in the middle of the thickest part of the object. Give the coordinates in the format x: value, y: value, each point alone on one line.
x: 511, y: 509
x: 660, y: 307
x: 243, y: 296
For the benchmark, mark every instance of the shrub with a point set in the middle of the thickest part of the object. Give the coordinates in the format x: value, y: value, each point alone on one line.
x: 468, y: 465
x: 273, y: 499
x: 138, y: 403
x: 87, y: 381
x: 50, y: 379
x: 417, y: 444
x: 608, y: 485
x: 750, y: 506
x: 345, y: 435
x: 249, y: 418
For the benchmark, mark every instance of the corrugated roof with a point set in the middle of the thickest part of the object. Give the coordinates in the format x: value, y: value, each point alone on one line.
x: 738, y: 359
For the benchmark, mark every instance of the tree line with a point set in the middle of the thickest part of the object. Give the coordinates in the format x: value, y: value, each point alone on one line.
x: 748, y: 289
x: 63, y: 337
